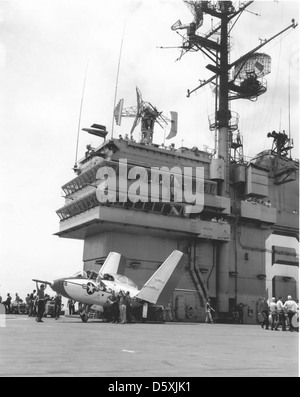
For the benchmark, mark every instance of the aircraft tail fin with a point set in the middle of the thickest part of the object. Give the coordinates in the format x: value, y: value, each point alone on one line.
x: 160, y: 286
x: 113, y: 264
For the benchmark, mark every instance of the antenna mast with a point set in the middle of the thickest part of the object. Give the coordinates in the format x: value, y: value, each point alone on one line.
x: 289, y: 105
x: 80, y: 112
x: 117, y: 81
x: 247, y: 86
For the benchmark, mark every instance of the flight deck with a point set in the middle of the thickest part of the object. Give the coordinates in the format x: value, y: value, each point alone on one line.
x: 69, y: 348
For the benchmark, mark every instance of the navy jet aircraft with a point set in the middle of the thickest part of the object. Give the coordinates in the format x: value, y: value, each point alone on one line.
x: 93, y: 291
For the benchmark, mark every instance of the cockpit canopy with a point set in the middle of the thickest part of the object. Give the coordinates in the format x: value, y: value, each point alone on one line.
x: 120, y: 279
x: 80, y: 274
x: 91, y: 275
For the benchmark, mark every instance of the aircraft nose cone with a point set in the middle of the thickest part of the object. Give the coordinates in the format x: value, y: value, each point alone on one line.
x: 58, y: 286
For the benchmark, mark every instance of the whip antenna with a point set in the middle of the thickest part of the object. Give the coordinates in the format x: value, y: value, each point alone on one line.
x: 79, y: 120
x: 117, y: 80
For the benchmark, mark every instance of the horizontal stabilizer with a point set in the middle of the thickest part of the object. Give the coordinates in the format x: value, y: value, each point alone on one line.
x: 114, y: 264
x: 160, y: 286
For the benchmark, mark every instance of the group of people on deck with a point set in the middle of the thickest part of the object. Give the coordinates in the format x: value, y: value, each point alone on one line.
x: 275, y: 313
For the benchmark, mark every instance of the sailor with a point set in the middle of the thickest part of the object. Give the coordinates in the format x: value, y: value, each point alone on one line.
x: 274, y: 315
x: 17, y: 302
x: 168, y: 312
x: 281, y: 314
x: 71, y: 306
x: 128, y: 307
x: 7, y: 303
x: 208, y: 309
x: 32, y: 297
x: 240, y: 309
x: 291, y: 307
x: 264, y: 311
x: 40, y: 302
x: 267, y: 203
x: 27, y: 300
x: 57, y: 307
x: 114, y: 307
x: 122, y: 307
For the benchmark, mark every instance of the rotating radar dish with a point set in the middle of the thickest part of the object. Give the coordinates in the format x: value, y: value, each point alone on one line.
x: 257, y: 63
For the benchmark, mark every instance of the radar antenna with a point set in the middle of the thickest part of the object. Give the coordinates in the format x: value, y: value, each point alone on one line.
x: 196, y: 9
x: 148, y: 115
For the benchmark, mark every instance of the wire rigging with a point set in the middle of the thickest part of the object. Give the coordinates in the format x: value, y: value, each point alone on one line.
x: 117, y: 80
x: 80, y: 113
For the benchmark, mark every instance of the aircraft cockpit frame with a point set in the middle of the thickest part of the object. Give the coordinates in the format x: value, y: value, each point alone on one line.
x: 80, y: 274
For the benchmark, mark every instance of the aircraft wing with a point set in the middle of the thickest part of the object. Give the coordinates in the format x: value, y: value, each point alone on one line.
x: 42, y: 282
x: 113, y: 264
x: 160, y: 286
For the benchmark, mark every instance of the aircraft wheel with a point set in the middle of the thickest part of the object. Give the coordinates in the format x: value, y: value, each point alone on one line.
x: 84, y: 318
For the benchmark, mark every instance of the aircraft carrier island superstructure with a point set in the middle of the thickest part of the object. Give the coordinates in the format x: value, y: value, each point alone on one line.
x: 242, y: 244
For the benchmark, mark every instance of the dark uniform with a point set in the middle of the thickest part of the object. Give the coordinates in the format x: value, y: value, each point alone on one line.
x: 57, y: 306
x: 128, y: 307
x: 31, y: 311
x: 264, y: 310
x: 240, y: 309
x: 114, y: 308
x: 40, y: 303
x: 7, y: 303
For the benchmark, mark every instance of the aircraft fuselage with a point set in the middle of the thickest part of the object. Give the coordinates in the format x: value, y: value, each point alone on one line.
x: 89, y: 291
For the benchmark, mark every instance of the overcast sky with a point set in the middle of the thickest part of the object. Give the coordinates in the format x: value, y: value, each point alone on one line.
x: 46, y: 47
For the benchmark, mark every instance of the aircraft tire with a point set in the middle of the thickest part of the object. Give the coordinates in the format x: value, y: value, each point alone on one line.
x: 84, y: 318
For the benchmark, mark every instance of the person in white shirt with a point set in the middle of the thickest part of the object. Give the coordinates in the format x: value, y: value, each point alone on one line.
x: 274, y: 314
x: 208, y: 309
x: 281, y: 314
x: 291, y: 308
